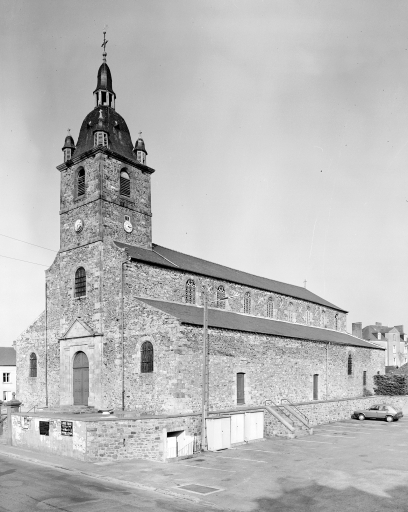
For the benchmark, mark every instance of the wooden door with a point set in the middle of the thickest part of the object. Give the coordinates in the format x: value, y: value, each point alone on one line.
x: 315, y: 386
x: 81, y: 379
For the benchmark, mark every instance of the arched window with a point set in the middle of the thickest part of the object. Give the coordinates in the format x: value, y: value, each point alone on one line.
x: 101, y: 139
x: 81, y: 182
x: 308, y: 316
x: 33, y: 365
x: 324, y: 318
x: 146, y: 362
x: 190, y: 291
x: 269, y: 307
x: 80, y: 282
x: 247, y: 302
x: 67, y: 154
x: 350, y: 365
x: 124, y: 184
x: 336, y: 322
x: 291, y: 312
x: 221, y: 297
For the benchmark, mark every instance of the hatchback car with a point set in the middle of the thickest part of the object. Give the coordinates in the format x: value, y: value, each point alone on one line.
x: 378, y: 412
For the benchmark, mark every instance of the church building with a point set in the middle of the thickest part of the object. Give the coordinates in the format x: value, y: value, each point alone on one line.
x: 124, y: 319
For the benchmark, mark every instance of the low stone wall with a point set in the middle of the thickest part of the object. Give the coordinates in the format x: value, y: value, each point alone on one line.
x: 106, y: 438
x: 101, y: 438
x: 328, y: 411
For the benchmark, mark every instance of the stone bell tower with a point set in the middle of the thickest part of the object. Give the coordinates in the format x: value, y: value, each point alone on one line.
x: 105, y: 197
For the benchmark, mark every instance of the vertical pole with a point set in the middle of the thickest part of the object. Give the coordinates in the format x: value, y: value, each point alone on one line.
x: 205, y: 377
x: 46, y: 346
x: 122, y: 322
x: 327, y: 371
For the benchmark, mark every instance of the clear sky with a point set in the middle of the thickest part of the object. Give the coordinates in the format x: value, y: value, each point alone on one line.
x: 278, y: 131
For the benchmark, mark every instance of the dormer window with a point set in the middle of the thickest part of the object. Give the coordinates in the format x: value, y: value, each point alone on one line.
x: 101, y: 139
x: 67, y: 154
x: 141, y: 157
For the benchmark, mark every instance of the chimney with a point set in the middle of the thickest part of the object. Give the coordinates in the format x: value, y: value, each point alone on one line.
x: 357, y: 329
x: 378, y: 324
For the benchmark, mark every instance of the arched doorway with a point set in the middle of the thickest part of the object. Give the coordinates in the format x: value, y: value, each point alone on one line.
x: 81, y: 379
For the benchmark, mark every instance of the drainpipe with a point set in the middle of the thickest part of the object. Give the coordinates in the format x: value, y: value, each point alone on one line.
x: 327, y: 371
x: 205, y: 391
x: 122, y: 328
x: 46, y: 346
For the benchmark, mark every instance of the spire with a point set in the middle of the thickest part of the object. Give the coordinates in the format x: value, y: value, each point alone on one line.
x: 104, y: 95
x: 140, y: 150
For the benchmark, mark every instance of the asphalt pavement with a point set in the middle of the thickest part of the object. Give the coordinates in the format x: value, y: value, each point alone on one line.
x: 344, y: 466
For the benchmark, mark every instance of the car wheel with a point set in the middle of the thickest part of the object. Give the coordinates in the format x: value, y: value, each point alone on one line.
x: 361, y: 417
x: 389, y: 418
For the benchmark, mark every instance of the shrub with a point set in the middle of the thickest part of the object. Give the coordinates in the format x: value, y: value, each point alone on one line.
x: 390, y: 384
x: 367, y: 392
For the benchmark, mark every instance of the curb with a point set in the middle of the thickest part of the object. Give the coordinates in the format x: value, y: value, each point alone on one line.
x: 117, y: 481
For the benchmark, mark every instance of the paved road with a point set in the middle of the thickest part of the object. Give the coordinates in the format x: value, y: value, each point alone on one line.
x: 26, y: 487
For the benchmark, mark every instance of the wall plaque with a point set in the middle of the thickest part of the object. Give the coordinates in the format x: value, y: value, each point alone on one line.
x: 66, y: 428
x: 44, y: 428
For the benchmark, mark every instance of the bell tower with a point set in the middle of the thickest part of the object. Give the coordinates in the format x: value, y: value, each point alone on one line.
x: 105, y: 182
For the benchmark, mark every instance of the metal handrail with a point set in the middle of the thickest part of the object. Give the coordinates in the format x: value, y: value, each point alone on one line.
x: 294, y: 406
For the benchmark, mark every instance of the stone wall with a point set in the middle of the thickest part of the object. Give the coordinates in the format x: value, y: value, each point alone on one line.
x: 168, y: 284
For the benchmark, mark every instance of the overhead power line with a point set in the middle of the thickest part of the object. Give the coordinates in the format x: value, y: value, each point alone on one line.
x: 25, y: 261
x: 29, y: 243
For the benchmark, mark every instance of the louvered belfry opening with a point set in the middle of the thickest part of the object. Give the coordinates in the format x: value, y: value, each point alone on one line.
x: 80, y: 282
x: 33, y: 365
x: 124, y: 184
x: 81, y: 182
x: 269, y: 307
x: 147, y: 357
x: 350, y: 365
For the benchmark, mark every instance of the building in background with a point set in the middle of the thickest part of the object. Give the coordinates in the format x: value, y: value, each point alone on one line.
x: 7, y: 372
x: 393, y: 339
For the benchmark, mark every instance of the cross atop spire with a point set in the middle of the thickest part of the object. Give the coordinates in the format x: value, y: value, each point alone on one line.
x: 103, y: 45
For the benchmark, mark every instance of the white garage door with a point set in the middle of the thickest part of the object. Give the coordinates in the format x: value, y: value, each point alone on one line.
x: 237, y: 428
x: 218, y: 433
x: 254, y: 425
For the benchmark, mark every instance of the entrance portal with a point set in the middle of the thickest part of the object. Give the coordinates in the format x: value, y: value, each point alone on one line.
x: 81, y: 379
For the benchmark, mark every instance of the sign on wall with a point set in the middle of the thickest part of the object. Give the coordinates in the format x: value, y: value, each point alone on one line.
x: 44, y: 428
x: 67, y: 428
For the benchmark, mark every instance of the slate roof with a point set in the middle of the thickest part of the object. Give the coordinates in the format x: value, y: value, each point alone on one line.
x: 7, y: 356
x: 177, y: 260
x: 221, y: 319
x: 119, y: 136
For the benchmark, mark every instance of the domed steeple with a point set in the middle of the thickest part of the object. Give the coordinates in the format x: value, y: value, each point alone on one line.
x: 104, y: 95
x: 69, y: 146
x: 140, y: 150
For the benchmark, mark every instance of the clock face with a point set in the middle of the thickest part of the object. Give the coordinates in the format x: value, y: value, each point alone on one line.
x: 127, y: 226
x: 78, y: 226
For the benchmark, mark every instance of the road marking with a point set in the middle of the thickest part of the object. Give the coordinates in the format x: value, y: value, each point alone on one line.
x: 341, y: 432
x: 239, y: 458
x: 252, y: 450
x: 203, y: 467
x: 307, y: 441
x: 328, y: 435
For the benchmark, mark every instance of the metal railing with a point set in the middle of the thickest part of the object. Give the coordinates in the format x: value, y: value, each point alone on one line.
x: 294, y: 407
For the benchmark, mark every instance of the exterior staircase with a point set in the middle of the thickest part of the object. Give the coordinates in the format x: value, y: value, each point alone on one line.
x: 288, y: 421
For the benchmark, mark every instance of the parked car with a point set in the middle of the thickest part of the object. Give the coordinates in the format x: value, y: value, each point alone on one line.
x: 378, y: 412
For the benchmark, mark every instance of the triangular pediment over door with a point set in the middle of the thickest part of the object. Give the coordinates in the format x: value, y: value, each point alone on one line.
x: 78, y: 329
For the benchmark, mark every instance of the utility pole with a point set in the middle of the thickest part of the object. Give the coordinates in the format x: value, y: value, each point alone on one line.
x: 205, y: 374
